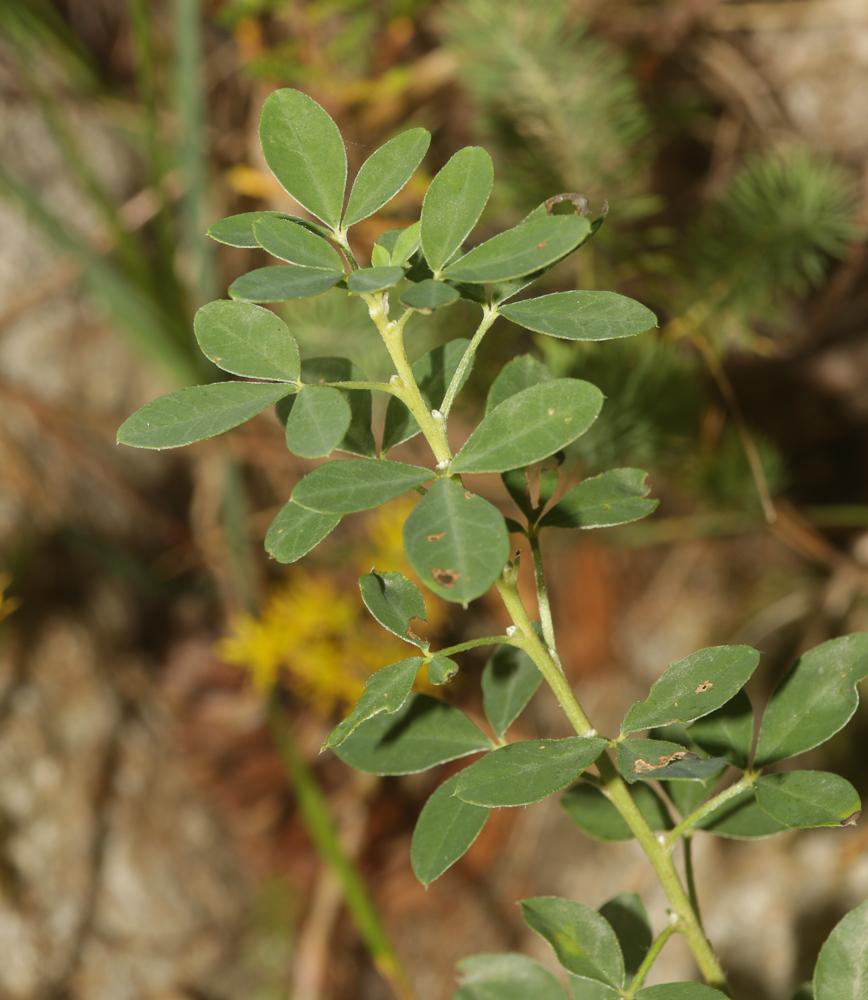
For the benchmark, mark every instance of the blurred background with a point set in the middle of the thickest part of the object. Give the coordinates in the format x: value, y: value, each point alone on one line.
x: 168, y: 829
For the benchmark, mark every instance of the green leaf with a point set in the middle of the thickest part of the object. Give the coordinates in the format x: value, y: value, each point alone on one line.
x: 582, y: 315
x: 283, y: 281
x: 444, y: 832
x: 245, y: 339
x: 441, y: 670
x: 628, y: 918
x: 653, y: 760
x: 428, y: 295
x: 353, y: 484
x: 317, y: 422
x: 815, y: 700
x: 530, y: 426
x: 406, y: 244
x: 196, y: 413
x: 506, y: 977
x: 374, y: 279
x: 680, y: 991
x: 741, y: 819
x: 384, y: 173
x: 693, y: 687
x: 584, y: 989
x: 296, y: 530
x: 237, y: 230
x: 359, y: 439
x: 509, y: 681
x: 518, y: 487
x: 528, y: 247
x: 453, y: 203
x: 613, y: 497
x: 521, y: 773
x: 384, y: 692
x: 304, y: 150
x: 803, y: 799
x: 456, y: 542
x: 520, y: 373
x: 804, y: 992
x: 583, y: 941
x: 296, y: 244
x: 421, y: 734
x: 596, y: 817
x: 433, y: 373
x: 841, y: 972
x: 728, y: 731
x: 394, y: 601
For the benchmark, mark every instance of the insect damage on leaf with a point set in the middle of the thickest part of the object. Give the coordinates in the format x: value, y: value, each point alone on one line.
x: 445, y: 577
x: 704, y: 686
x: 436, y: 536
x: 642, y: 766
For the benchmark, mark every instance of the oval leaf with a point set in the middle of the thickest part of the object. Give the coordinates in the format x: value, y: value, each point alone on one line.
x: 521, y: 773
x: 296, y: 530
x: 444, y: 832
x: 304, y: 150
x: 841, y: 972
x: 421, y: 734
x: 582, y: 315
x: 628, y: 918
x: 693, y: 687
x: 528, y: 247
x: 741, y: 819
x: 453, y: 203
x: 384, y: 173
x: 280, y: 282
x: 359, y: 439
x: 406, y: 244
x: 354, y: 484
x: 582, y: 940
x: 296, y: 244
x: 727, y: 732
x: 441, y: 670
x: 456, y: 542
x: 385, y: 692
x: 815, y: 700
x: 505, y: 977
x: 596, y: 817
x: 509, y: 681
x: 518, y: 374
x: 394, y: 601
x: 317, y: 423
x: 803, y: 799
x: 614, y: 497
x: 245, y: 339
x: 374, y: 279
x: 196, y: 413
x: 428, y: 295
x: 653, y: 760
x: 237, y: 230
x: 530, y: 426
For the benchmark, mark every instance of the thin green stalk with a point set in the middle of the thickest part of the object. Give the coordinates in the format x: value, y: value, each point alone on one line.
x: 321, y: 830
x: 373, y: 386
x: 708, y: 807
x: 545, y: 610
x: 690, y: 878
x: 461, y: 647
x: 489, y: 315
x: 652, y: 956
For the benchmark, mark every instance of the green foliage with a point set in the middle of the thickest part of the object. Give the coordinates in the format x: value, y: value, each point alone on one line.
x: 505, y: 977
x: 595, y: 815
x: 244, y: 339
x: 614, y: 497
x: 509, y: 681
x: 355, y: 484
x: 444, y: 832
x: 288, y: 240
x: 394, y: 601
x: 841, y: 972
x: 317, y: 422
x: 582, y: 315
x: 453, y: 204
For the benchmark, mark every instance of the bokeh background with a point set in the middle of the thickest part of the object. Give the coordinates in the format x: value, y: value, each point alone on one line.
x: 164, y: 689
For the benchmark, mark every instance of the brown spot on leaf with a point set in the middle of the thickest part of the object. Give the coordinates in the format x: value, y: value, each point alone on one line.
x: 551, y: 411
x: 468, y: 495
x: 640, y: 766
x: 704, y: 686
x: 543, y: 245
x: 445, y: 577
x: 435, y: 536
x: 851, y: 820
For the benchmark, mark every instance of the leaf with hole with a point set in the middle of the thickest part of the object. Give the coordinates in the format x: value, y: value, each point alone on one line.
x: 280, y: 282
x: 804, y: 799
x: 296, y: 530
x: 384, y: 692
x: 317, y: 422
x: 444, y: 832
x: 628, y: 918
x: 296, y: 244
x: 247, y: 340
x: 596, y: 817
x: 367, y: 280
x: 237, y: 230
x: 530, y: 426
x: 394, y: 601
x: 353, y: 484
x: 441, y: 670
x: 505, y: 977
x: 509, y: 681
x: 654, y: 760
x: 520, y: 373
x: 384, y: 173
x: 613, y: 497
x: 454, y: 202
x: 841, y: 972
x: 428, y: 295
x: 582, y: 315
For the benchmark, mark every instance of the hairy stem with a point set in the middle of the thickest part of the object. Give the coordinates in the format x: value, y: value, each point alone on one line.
x: 489, y: 315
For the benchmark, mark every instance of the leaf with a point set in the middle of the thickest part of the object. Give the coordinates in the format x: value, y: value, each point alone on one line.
x: 741, y: 819
x: 728, y: 731
x: 358, y: 440
x: 441, y: 670
x: 283, y: 281
x: 317, y: 422
x: 509, y: 681
x: 394, y: 601
x: 353, y: 484
x: 582, y: 315
x: 304, y: 150
x: 421, y: 734
x: 296, y: 530
x: 693, y: 687
x: 583, y: 941
x: 841, y: 972
x: 815, y: 700
x: 506, y: 977
x: 374, y: 279
x: 384, y: 173
x: 453, y: 204
x: 527, y: 247
x: 596, y: 817
x: 245, y: 339
x: 613, y: 497
x: 384, y: 692
x: 652, y: 760
x: 406, y: 244
x: 433, y: 372
x: 680, y: 991
x: 803, y: 799
x: 196, y: 413
x: 237, y: 230
x: 521, y: 773
x: 530, y: 426
x: 804, y: 992
x: 444, y: 832
x: 520, y: 373
x: 296, y: 244
x: 456, y: 542
x: 628, y: 918
x: 428, y: 295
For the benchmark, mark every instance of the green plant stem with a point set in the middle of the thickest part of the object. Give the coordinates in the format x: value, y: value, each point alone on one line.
x: 489, y: 315
x: 689, y: 877
x: 372, y: 386
x: 652, y: 956
x: 321, y: 830
x: 545, y: 610
x: 486, y: 640
x: 708, y: 807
